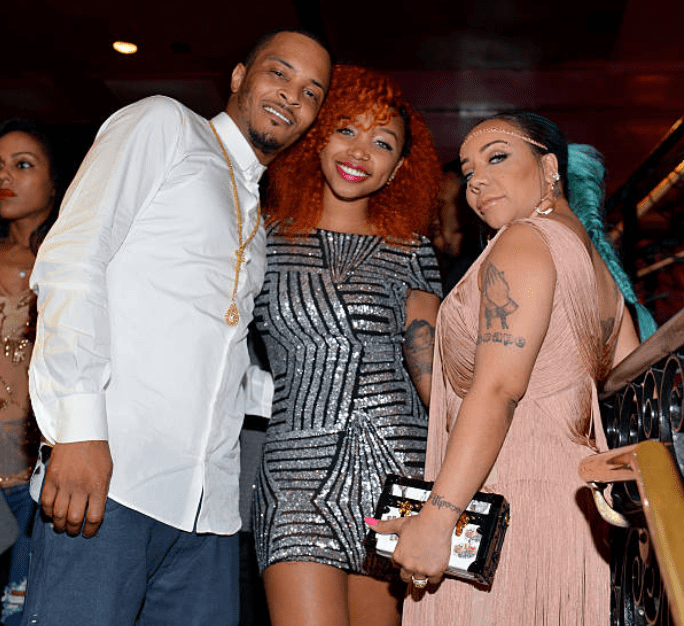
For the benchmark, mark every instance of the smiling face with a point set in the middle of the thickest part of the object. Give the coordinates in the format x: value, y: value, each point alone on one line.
x: 505, y: 178
x: 277, y: 98
x: 359, y: 159
x: 25, y: 175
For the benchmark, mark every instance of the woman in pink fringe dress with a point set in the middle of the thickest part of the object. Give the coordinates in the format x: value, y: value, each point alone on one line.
x: 521, y: 343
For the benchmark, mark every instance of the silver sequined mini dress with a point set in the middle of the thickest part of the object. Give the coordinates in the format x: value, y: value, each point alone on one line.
x: 345, y: 412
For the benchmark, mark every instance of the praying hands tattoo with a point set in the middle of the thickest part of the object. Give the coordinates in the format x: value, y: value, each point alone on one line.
x: 497, y: 296
x: 498, y: 305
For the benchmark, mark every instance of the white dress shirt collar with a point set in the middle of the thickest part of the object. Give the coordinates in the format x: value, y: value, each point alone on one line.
x: 238, y: 147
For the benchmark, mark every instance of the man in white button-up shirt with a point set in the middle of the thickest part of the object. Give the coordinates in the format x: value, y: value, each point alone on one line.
x: 138, y: 374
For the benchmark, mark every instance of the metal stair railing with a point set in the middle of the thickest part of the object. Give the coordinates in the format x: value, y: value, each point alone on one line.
x: 642, y: 409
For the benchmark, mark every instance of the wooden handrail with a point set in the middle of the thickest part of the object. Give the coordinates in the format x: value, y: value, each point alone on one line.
x: 668, y: 338
x: 657, y: 476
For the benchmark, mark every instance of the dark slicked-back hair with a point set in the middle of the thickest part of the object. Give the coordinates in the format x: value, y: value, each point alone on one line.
x: 545, y: 132
x: 266, y: 38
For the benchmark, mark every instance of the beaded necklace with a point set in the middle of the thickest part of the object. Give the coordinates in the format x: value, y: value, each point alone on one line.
x: 232, y: 315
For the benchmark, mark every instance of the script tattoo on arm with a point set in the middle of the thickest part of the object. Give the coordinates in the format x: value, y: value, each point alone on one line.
x: 505, y: 339
x: 419, y: 346
x: 496, y: 294
x: 440, y: 503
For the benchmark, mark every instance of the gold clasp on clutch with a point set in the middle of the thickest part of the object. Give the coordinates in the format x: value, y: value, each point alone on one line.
x: 462, y: 522
x: 407, y: 507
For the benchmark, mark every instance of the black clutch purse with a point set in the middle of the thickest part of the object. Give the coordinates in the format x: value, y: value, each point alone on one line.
x: 478, y: 535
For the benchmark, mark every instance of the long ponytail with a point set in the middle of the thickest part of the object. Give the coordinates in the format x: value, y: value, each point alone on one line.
x: 585, y: 191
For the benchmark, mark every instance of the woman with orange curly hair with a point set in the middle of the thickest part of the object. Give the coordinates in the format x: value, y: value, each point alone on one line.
x: 347, y: 314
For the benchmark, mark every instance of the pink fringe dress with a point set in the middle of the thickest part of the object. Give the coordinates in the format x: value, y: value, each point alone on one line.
x: 554, y: 569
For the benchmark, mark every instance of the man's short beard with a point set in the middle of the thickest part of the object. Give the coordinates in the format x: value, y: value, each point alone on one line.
x: 264, y: 142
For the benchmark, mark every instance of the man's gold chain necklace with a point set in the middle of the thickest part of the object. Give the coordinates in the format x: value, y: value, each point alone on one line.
x: 232, y: 315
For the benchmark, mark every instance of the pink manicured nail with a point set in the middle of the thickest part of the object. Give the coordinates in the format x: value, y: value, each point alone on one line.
x: 371, y: 521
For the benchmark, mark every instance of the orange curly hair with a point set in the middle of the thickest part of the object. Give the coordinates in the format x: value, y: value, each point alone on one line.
x: 399, y: 210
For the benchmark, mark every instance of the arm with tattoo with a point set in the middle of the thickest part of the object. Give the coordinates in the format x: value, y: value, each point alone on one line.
x: 419, y: 340
x: 498, y: 306
x: 496, y: 294
x: 419, y: 345
x: 438, y: 501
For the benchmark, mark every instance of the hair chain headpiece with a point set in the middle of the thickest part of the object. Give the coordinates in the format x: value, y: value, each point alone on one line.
x: 505, y: 131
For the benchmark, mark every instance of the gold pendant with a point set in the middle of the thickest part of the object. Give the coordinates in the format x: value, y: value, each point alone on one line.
x: 232, y: 316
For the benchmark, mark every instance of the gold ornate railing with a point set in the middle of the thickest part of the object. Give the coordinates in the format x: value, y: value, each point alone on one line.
x: 643, y: 414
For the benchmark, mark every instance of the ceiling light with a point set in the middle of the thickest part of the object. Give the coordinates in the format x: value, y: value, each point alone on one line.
x: 125, y: 47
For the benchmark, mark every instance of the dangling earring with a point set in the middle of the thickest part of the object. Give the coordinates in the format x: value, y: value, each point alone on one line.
x: 391, y: 178
x: 555, y: 192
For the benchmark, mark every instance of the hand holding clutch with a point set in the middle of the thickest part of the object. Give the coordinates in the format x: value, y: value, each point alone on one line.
x: 420, y: 549
x: 475, y: 541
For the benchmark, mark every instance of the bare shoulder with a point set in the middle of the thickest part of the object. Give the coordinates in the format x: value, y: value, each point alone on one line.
x: 521, y: 251
x: 521, y: 237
